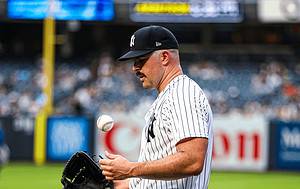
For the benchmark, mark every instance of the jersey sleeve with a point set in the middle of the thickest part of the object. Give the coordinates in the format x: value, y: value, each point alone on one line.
x: 189, y: 111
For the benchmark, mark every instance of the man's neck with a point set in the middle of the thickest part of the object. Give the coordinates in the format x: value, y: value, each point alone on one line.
x: 176, y: 71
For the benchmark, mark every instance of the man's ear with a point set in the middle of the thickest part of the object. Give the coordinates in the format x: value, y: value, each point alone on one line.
x: 165, y: 57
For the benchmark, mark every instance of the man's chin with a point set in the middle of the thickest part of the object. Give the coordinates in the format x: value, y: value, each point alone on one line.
x: 146, y: 86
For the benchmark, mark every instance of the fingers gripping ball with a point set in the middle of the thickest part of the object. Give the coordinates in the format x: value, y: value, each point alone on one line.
x: 105, y: 123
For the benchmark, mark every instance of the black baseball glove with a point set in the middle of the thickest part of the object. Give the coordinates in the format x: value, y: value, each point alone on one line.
x: 82, y: 172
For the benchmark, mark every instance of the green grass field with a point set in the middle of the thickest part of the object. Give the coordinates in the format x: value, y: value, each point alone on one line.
x: 28, y: 176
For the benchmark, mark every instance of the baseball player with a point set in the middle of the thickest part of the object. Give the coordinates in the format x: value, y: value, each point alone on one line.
x: 176, y: 142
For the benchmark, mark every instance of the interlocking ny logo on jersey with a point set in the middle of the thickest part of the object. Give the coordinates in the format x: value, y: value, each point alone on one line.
x: 132, y: 41
x: 150, y: 129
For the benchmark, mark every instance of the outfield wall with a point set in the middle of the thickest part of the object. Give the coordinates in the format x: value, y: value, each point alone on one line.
x: 241, y: 143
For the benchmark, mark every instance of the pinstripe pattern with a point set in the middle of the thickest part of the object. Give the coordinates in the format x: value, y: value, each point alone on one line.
x: 181, y: 110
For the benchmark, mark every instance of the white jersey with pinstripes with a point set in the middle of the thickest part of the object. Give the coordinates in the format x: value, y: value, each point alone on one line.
x: 180, y: 111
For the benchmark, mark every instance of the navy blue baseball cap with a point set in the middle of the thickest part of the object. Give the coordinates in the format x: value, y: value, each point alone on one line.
x: 149, y: 39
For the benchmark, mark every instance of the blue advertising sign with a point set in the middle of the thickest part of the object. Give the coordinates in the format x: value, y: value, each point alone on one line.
x: 287, y: 150
x: 62, y: 9
x: 67, y: 135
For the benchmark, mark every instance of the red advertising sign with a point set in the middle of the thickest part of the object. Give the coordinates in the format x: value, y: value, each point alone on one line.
x: 240, y: 143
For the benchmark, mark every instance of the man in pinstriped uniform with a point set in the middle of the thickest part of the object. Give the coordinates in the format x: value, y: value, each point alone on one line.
x: 176, y: 143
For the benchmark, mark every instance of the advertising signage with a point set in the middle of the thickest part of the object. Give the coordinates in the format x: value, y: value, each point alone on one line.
x: 240, y: 143
x: 285, y: 140
x: 279, y: 11
x: 67, y: 135
x: 102, y: 10
x: 186, y: 11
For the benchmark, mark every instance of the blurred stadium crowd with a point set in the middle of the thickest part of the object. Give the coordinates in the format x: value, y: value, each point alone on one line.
x: 245, y: 84
x: 262, y: 83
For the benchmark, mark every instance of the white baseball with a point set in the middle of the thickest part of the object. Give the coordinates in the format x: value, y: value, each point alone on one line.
x: 105, y: 123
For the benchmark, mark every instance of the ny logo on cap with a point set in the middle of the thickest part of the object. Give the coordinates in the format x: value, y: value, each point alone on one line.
x: 132, y: 41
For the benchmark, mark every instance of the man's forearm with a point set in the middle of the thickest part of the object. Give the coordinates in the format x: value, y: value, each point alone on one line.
x: 175, y: 166
x: 187, y: 161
